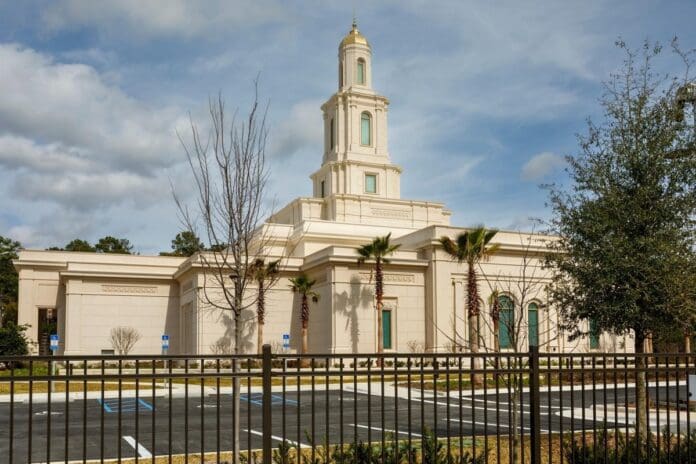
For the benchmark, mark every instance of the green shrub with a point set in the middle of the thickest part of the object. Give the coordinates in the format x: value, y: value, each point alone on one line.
x: 618, y: 448
x: 13, y: 341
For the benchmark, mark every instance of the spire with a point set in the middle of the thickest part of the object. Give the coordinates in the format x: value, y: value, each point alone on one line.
x: 354, y: 36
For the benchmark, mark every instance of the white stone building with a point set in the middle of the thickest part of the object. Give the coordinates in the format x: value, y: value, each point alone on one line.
x: 356, y: 197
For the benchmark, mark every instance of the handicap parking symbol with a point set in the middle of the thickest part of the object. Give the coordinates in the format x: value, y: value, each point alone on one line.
x: 257, y: 399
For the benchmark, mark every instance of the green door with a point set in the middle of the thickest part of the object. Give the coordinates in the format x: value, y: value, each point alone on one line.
x: 594, y: 335
x: 387, y: 329
x: 533, y: 323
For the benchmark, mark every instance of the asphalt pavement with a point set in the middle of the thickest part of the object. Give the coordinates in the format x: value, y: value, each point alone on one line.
x: 146, y: 426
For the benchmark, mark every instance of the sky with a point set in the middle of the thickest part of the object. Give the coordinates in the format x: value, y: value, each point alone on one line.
x: 486, y: 100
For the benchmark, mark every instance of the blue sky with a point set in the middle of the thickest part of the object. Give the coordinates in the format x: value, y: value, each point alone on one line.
x: 486, y: 98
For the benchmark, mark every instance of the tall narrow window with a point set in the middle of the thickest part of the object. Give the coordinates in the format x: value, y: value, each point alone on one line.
x: 594, y: 335
x: 361, y: 71
x: 322, y: 189
x: 387, y: 329
x: 365, y: 129
x: 507, y: 321
x: 370, y: 183
x: 332, y: 128
x: 533, y: 324
x: 340, y: 75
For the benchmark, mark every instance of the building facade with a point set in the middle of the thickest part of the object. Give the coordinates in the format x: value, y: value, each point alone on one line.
x: 356, y: 197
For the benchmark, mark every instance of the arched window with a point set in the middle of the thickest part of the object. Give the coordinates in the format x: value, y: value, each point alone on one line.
x: 533, y: 324
x: 361, y: 71
x: 365, y: 129
x: 507, y: 321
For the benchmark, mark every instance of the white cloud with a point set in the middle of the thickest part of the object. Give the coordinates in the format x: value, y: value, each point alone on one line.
x: 300, y: 129
x: 179, y: 18
x: 541, y: 165
x: 71, y: 104
x: 75, y: 148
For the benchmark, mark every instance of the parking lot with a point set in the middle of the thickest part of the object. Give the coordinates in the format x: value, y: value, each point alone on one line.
x: 160, y: 425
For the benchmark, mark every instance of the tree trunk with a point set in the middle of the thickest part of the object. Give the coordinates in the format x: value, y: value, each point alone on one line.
x: 379, y: 293
x: 236, y: 386
x: 305, y: 323
x: 496, y: 346
x: 496, y: 335
x: 641, y: 390
x: 259, y: 338
x: 473, y: 313
x: 687, y: 343
x: 515, y: 414
x: 260, y: 316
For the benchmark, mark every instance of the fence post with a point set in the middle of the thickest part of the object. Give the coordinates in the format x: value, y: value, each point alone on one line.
x: 535, y: 415
x: 266, y: 403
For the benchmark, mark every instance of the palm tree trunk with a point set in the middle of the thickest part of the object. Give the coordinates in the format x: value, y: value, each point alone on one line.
x: 305, y: 324
x: 379, y: 293
x: 473, y: 313
x: 259, y: 338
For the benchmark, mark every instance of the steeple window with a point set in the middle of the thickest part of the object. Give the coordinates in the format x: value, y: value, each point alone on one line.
x: 365, y: 129
x: 361, y: 71
x: 370, y: 183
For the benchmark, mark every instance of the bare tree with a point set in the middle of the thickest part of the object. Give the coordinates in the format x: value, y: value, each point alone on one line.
x: 512, y: 297
x: 123, y: 339
x: 230, y: 174
x: 221, y: 347
x: 511, y: 294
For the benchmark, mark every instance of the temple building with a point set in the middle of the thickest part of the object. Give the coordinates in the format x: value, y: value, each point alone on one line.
x: 356, y: 197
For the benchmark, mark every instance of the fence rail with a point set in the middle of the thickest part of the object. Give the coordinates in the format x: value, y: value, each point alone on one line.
x: 349, y: 408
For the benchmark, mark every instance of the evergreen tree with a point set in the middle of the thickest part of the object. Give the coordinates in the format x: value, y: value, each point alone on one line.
x: 111, y: 244
x: 624, y: 259
x: 9, y: 280
x: 186, y: 243
x: 79, y: 245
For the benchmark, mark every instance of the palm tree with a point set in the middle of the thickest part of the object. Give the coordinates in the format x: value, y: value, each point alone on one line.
x: 263, y: 273
x: 472, y: 247
x: 303, y: 285
x: 377, y: 251
x: 494, y: 303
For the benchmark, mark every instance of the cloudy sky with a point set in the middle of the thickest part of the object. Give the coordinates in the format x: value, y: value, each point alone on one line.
x: 486, y: 98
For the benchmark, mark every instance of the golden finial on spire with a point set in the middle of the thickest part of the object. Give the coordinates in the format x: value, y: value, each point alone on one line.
x: 354, y: 36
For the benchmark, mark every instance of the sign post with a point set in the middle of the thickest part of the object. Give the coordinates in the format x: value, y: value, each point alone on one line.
x: 54, y: 340
x: 286, y: 347
x: 53, y: 346
x: 165, y: 344
x: 165, y: 350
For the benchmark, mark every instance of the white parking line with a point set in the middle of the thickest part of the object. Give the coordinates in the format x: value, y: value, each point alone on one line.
x: 490, y: 425
x: 386, y: 430
x: 260, y: 434
x: 142, y: 451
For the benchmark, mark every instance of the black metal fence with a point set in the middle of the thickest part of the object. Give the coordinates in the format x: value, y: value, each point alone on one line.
x: 343, y: 408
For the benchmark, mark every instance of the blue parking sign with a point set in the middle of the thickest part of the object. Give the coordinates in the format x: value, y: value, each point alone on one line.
x: 54, y: 342
x: 286, y: 340
x: 165, y: 342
